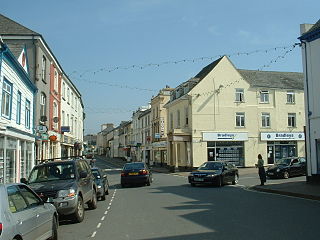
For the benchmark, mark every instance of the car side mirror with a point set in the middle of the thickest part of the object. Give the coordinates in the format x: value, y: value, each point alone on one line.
x: 24, y: 180
x: 83, y: 174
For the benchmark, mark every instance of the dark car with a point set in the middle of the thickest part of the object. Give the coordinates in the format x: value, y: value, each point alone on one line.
x: 135, y: 173
x: 101, y: 182
x: 214, y: 172
x: 67, y: 184
x: 287, y: 167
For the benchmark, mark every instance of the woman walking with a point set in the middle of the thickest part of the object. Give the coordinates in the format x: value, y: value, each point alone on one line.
x: 262, y: 172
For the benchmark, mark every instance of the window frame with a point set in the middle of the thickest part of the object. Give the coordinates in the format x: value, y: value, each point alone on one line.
x: 28, y: 114
x: 293, y: 98
x: 292, y: 120
x: 239, y: 95
x: 265, y: 118
x: 19, y: 105
x: 263, y: 95
x: 240, y: 117
x: 4, y: 94
x: 44, y: 68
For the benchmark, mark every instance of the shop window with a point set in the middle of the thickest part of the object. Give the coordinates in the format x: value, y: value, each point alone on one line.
x: 290, y: 97
x: 264, y: 96
x: 240, y: 119
x: 291, y: 120
x: 11, y: 149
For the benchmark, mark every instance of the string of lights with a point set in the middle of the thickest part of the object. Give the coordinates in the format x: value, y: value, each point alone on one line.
x: 160, y: 64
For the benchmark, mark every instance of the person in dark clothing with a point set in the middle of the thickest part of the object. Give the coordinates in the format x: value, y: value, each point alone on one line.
x: 262, y: 172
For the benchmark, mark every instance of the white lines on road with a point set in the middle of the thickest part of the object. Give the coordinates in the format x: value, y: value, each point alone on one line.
x: 112, y: 169
x: 105, y: 213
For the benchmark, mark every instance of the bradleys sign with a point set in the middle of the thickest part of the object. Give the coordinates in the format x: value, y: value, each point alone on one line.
x: 282, y: 136
x: 224, y: 136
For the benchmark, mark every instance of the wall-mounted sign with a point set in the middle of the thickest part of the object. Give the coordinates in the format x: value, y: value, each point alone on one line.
x: 65, y: 129
x: 157, y: 135
x: 224, y: 136
x: 282, y: 136
x: 162, y: 126
x: 42, y: 129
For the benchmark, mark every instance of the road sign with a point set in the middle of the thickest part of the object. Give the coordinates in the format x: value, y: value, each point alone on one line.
x: 42, y: 129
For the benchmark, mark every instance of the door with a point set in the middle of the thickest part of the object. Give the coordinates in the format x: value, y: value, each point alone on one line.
x: 211, y: 154
x: 24, y: 217
x: 43, y: 214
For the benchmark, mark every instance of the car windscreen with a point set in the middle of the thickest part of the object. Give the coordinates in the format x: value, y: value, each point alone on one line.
x: 284, y: 161
x: 132, y: 166
x: 211, y: 166
x: 95, y: 173
x: 52, y: 172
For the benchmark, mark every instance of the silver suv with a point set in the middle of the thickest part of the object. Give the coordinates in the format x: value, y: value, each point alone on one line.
x: 68, y: 184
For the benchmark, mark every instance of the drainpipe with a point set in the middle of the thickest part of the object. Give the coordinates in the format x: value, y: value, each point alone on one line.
x: 308, y: 109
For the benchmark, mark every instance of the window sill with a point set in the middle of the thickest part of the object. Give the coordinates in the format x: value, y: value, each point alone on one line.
x: 290, y: 103
x: 264, y: 102
x: 240, y: 127
x: 239, y: 101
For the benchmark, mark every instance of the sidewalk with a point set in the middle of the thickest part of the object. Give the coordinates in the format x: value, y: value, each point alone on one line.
x: 288, y: 187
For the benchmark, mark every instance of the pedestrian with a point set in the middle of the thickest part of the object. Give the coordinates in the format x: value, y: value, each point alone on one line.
x: 262, y: 172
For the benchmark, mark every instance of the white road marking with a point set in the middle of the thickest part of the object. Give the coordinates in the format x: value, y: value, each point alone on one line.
x: 112, y: 169
x: 102, y: 219
x: 99, y: 225
x: 93, y: 234
x: 106, y: 212
x: 108, y: 208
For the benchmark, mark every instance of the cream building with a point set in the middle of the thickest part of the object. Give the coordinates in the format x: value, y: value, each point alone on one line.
x: 228, y: 114
x: 310, y: 39
x: 159, y: 126
x: 146, y: 147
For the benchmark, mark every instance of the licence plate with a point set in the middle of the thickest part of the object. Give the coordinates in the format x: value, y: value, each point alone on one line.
x: 134, y: 173
x: 198, y: 179
x: 270, y: 173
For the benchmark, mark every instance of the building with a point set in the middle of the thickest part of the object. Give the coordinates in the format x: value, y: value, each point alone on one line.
x: 310, y: 42
x: 48, y: 76
x: 159, y: 126
x: 124, y: 140
x: 17, y: 130
x: 228, y: 114
x: 146, y: 138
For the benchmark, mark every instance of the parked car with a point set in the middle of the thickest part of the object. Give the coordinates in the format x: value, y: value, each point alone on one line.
x: 67, y: 184
x: 101, y: 182
x: 214, y: 172
x: 287, y: 167
x: 135, y: 173
x: 23, y: 215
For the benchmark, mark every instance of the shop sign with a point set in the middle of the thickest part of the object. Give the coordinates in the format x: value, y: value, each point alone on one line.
x: 42, y: 129
x: 157, y: 135
x: 223, y: 136
x: 65, y: 129
x: 162, y: 126
x: 282, y: 136
x: 159, y: 144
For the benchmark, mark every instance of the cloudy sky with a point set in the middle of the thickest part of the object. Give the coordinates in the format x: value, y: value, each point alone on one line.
x: 119, y: 53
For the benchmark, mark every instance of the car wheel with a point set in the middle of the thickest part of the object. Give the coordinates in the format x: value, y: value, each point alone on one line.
x: 78, y: 216
x: 54, y: 229
x: 107, y: 192
x: 236, y: 179
x: 93, y: 203
x: 103, y: 197
x: 148, y: 182
x: 286, y: 175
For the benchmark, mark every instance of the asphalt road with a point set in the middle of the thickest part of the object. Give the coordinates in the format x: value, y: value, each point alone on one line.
x: 172, y: 209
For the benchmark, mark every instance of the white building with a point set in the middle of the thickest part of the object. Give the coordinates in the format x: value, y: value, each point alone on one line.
x: 146, y: 138
x: 17, y: 136
x: 310, y: 39
x: 72, y: 116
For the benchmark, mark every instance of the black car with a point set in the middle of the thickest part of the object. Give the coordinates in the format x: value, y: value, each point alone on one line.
x: 214, y: 172
x: 101, y: 182
x: 287, y: 167
x: 135, y: 173
x: 68, y: 184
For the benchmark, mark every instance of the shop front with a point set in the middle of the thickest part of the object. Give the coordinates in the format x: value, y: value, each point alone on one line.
x: 222, y: 146
x: 16, y: 156
x: 282, y: 145
x: 159, y: 150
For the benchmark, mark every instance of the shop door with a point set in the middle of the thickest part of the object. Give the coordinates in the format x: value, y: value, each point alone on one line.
x: 270, y: 152
x: 211, y: 154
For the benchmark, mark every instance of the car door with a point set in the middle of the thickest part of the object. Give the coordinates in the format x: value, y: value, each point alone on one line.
x: 43, y: 214
x: 87, y: 181
x: 225, y: 173
x: 24, y: 218
x: 295, y: 167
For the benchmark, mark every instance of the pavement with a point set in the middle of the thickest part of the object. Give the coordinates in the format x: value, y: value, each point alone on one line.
x: 295, y: 187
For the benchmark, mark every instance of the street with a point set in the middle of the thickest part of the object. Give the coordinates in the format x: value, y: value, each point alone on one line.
x: 171, y: 209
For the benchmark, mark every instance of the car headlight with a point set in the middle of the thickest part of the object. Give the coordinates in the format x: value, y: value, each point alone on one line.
x: 278, y: 170
x: 211, y: 175
x: 99, y: 186
x: 67, y: 193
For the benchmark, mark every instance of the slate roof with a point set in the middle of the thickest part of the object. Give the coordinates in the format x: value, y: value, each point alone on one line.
x: 315, y: 27
x: 16, y: 49
x: 10, y: 27
x: 269, y: 79
x: 207, y: 69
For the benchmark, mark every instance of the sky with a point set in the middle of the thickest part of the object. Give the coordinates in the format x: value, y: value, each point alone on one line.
x: 120, y: 53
